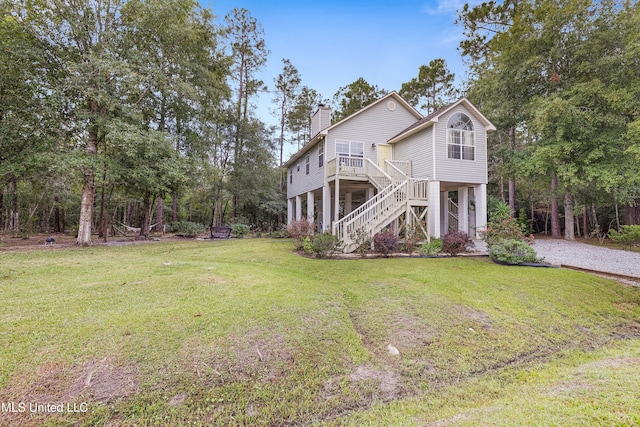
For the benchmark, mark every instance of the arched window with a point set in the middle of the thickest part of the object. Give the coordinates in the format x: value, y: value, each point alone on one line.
x: 460, y: 137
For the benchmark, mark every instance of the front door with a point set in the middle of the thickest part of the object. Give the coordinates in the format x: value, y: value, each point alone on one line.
x: 384, y: 153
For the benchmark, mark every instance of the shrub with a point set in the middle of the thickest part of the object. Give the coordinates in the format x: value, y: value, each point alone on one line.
x: 325, y: 245
x: 306, y: 245
x: 411, y: 239
x: 456, y: 242
x: 187, y: 228
x: 385, y: 243
x: 513, y: 252
x: 298, y: 230
x: 363, y: 241
x: 628, y: 235
x: 432, y: 248
x: 240, y: 230
x: 503, y: 227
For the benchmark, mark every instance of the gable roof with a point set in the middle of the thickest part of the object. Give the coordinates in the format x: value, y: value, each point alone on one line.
x: 433, y: 118
x: 320, y: 135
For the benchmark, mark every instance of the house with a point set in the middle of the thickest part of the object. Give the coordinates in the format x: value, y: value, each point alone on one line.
x: 388, y: 166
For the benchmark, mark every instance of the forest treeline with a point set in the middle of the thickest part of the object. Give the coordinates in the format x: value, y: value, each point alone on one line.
x: 141, y: 113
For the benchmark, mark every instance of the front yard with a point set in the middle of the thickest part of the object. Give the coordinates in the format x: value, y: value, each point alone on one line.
x: 244, y: 332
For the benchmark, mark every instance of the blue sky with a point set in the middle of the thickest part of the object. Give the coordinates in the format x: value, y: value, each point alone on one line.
x: 332, y: 43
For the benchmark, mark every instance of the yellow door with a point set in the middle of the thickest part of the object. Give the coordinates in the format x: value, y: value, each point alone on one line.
x: 384, y: 153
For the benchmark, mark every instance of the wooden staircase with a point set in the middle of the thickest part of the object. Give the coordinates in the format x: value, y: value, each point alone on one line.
x: 395, y: 189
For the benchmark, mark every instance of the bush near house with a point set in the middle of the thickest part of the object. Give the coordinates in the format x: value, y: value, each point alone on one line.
x: 363, y: 241
x: 512, y: 252
x: 501, y: 234
x: 456, y: 242
x: 385, y: 242
x: 502, y: 226
x: 325, y: 245
x: 434, y: 247
x: 627, y: 235
x: 300, y: 229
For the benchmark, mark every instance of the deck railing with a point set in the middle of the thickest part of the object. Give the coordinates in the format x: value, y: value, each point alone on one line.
x: 403, y: 165
x: 375, y: 216
x: 419, y: 189
x: 396, y: 174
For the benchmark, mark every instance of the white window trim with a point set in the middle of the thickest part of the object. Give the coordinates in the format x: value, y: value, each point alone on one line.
x: 306, y: 164
x: 351, y: 144
x: 467, y: 139
x: 321, y: 154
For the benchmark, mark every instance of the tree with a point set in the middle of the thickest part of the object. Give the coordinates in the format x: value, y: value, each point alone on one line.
x: 28, y: 111
x: 353, y: 97
x: 306, y: 103
x: 432, y: 89
x: 286, y: 84
x: 248, y: 55
x: 150, y: 166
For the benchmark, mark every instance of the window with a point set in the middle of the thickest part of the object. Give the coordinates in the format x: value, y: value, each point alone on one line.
x: 298, y: 167
x: 290, y: 176
x: 321, y: 154
x: 306, y: 163
x: 350, y: 153
x: 460, y: 138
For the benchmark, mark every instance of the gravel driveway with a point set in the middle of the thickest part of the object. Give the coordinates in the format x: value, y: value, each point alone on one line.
x: 556, y: 251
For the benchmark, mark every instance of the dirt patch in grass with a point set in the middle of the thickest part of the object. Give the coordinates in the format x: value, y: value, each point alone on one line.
x: 478, y: 317
x: 97, y: 381
x: 385, y: 381
x: 258, y: 354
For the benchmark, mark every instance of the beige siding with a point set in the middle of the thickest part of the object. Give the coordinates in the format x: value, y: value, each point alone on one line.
x: 303, y: 182
x: 374, y: 126
x: 418, y: 149
x: 456, y: 170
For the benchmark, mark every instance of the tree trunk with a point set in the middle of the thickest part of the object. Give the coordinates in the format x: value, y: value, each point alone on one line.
x: 86, y: 209
x: 129, y: 218
x: 14, y: 217
x: 85, y: 224
x: 1, y: 209
x: 63, y: 225
x: 101, y: 230
x: 569, y: 233
x: 144, y: 227
x: 56, y: 215
x: 512, y: 181
x: 159, y: 225
x: 594, y: 219
x: 512, y: 197
x: 555, y: 214
x: 585, y: 221
x: 174, y: 208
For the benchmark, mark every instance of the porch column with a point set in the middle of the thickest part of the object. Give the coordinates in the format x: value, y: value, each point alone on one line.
x: 480, y: 192
x: 298, y: 208
x: 310, y: 206
x: 463, y: 209
x: 445, y: 211
x: 336, y: 212
x: 434, y: 208
x: 326, y: 208
x: 347, y: 203
x: 370, y: 193
x: 289, y: 211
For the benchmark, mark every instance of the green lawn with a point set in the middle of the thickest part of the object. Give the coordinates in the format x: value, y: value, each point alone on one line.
x: 244, y: 332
